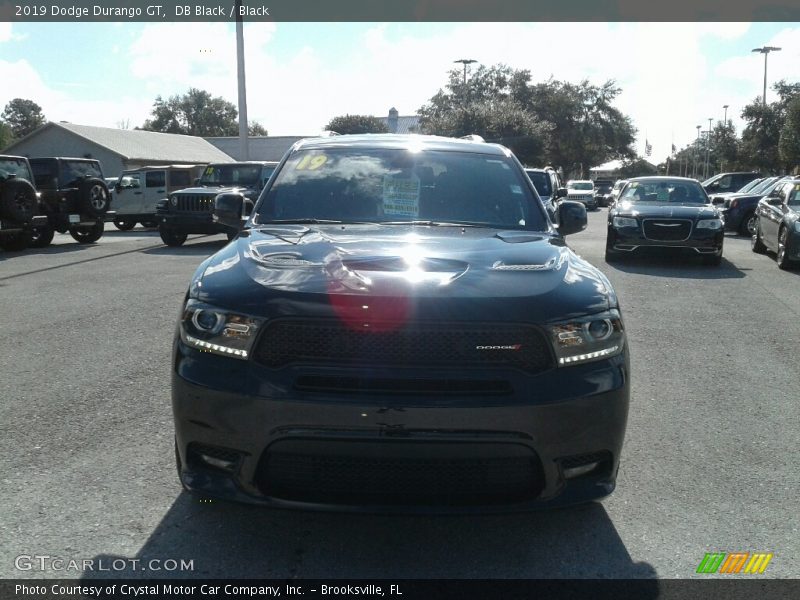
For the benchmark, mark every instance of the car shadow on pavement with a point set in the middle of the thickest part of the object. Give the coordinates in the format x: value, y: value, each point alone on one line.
x: 228, y: 540
x: 138, y: 232
x: 199, y: 248
x: 676, y: 267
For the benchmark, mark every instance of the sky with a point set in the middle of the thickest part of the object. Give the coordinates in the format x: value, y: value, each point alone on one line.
x: 674, y: 76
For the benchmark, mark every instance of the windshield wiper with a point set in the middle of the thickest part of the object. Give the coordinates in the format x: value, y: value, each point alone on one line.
x: 435, y: 223
x: 302, y: 221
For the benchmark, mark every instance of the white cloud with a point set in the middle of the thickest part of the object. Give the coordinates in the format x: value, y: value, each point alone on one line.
x: 7, y: 35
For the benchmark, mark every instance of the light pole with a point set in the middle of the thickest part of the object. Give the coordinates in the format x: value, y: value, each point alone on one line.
x: 765, y: 51
x: 465, y: 62
x: 244, y: 150
x: 708, y: 151
x: 725, y: 106
x: 696, y: 152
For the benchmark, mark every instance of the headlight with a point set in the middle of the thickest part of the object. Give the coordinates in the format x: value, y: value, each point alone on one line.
x: 174, y: 200
x: 625, y: 222
x: 589, y: 338
x: 709, y: 224
x: 218, y: 331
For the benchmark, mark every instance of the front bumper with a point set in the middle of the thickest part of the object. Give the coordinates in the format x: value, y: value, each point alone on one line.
x: 190, y: 222
x: 633, y: 239
x: 332, y: 443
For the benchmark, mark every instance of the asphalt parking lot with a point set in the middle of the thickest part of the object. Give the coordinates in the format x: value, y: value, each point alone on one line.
x: 87, y: 468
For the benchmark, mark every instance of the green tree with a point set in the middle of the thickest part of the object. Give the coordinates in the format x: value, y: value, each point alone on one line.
x: 346, y: 124
x: 574, y: 126
x: 637, y: 167
x: 488, y: 106
x: 789, y: 142
x: 22, y: 116
x: 193, y: 113
x: 759, y: 147
x: 6, y: 135
x: 256, y: 128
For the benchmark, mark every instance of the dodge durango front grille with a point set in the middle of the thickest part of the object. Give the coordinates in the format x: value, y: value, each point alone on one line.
x: 322, y: 341
x: 400, y: 473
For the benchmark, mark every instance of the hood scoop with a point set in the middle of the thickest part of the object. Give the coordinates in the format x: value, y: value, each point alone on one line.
x: 439, y: 271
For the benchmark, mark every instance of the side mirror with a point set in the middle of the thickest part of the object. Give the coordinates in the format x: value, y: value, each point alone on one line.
x: 228, y: 210
x: 571, y: 217
x: 774, y: 200
x: 717, y: 201
x: 561, y: 192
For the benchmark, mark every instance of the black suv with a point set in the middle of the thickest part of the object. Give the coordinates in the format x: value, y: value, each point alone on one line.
x: 728, y: 182
x: 602, y: 191
x: 399, y: 326
x: 18, y: 204
x: 191, y: 210
x: 75, y: 198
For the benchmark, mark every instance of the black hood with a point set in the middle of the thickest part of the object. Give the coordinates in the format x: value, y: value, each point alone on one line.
x: 448, y: 273
x: 665, y: 210
x: 217, y: 189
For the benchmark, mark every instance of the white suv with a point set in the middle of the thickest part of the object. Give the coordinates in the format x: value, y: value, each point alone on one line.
x: 582, y: 190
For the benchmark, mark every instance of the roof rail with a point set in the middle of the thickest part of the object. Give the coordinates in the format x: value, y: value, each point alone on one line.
x: 472, y: 137
x: 329, y: 133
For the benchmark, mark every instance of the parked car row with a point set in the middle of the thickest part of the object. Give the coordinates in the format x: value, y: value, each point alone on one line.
x: 777, y: 225
x: 40, y: 196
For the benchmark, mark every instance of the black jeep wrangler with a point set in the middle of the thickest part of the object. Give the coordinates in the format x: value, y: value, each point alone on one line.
x: 19, y: 204
x: 191, y: 210
x: 74, y: 196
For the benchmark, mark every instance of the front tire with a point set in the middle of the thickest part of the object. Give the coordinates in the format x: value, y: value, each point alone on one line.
x: 748, y: 225
x: 171, y: 237
x: 782, y: 259
x: 88, y: 235
x: 42, y: 236
x: 124, y: 224
x: 756, y: 243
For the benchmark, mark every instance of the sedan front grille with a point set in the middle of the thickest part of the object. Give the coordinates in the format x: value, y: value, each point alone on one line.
x: 322, y: 341
x: 195, y: 203
x: 667, y: 230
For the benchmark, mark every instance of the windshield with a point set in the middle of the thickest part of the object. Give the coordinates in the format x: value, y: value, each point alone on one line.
x: 15, y: 166
x: 765, y: 185
x: 396, y: 185
x: 750, y: 186
x: 244, y: 175
x: 664, y: 190
x: 541, y: 181
x: 580, y: 185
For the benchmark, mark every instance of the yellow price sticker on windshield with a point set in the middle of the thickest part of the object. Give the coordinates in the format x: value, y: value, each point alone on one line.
x: 311, y: 162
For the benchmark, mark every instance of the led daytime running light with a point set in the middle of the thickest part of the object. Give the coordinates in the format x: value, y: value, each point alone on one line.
x: 589, y: 356
x: 224, y: 350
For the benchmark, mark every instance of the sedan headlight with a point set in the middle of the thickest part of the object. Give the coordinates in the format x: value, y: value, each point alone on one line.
x: 211, y: 329
x: 589, y: 338
x: 709, y: 224
x: 625, y: 222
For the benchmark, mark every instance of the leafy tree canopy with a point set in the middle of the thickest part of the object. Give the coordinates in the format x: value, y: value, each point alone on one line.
x: 346, y: 124
x: 22, y: 116
x: 197, y: 113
